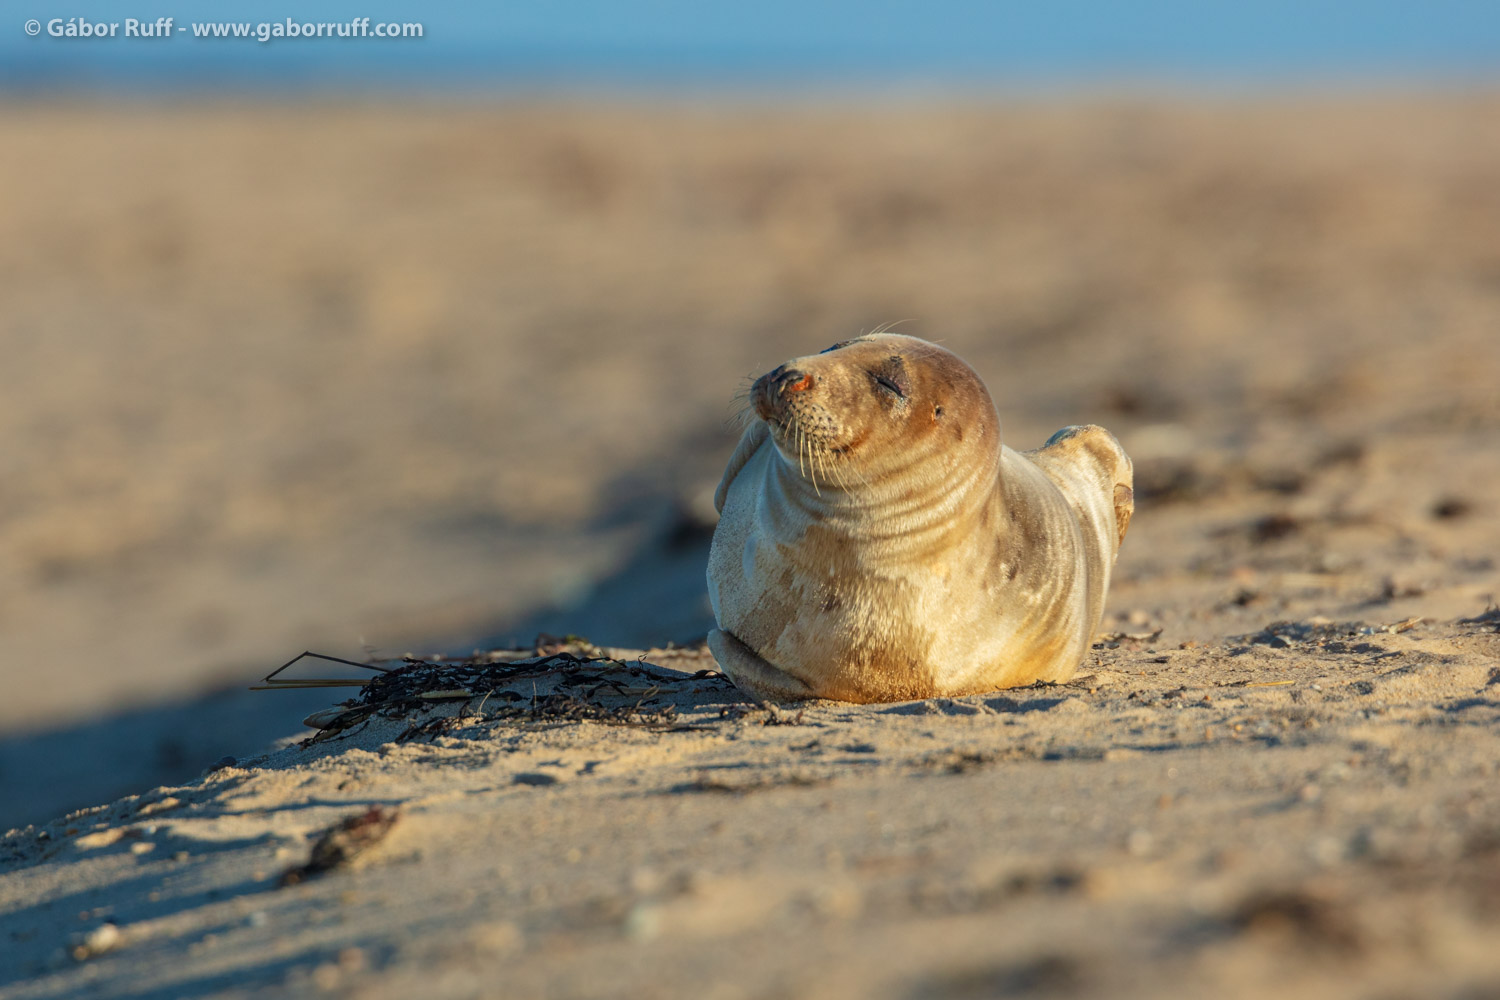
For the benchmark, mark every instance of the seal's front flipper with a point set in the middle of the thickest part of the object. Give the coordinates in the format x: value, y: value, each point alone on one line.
x: 755, y: 435
x: 752, y: 674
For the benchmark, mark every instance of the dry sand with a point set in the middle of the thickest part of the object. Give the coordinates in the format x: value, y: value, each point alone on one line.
x: 1306, y: 810
x: 416, y: 377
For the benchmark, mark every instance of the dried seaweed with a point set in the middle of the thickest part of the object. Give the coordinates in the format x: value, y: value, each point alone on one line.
x: 273, y: 681
x: 565, y: 687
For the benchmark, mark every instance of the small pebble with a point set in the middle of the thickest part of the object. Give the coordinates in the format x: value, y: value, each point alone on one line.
x: 104, y: 938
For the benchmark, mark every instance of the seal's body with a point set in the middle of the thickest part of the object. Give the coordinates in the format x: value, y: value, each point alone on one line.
x: 877, y: 542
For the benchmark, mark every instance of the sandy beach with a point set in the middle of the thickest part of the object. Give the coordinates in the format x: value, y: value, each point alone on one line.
x: 436, y: 379
x: 1303, y: 811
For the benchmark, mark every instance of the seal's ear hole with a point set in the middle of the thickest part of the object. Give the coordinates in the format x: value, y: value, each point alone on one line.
x: 937, y: 411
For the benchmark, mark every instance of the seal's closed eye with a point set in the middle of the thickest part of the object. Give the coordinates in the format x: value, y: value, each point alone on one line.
x: 892, y: 376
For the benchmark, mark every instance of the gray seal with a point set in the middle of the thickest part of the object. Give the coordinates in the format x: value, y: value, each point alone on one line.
x: 877, y: 542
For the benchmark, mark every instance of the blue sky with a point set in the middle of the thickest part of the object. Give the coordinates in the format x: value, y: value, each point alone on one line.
x: 836, y: 43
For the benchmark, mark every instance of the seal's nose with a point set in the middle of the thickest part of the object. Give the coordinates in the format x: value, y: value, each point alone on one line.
x: 772, y: 389
x: 789, y: 380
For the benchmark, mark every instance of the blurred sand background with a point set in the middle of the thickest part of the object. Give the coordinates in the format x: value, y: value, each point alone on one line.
x: 384, y: 378
x: 432, y: 376
x: 371, y: 379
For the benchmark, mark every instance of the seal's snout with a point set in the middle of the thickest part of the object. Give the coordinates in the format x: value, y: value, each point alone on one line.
x: 774, y: 388
x: 791, y: 380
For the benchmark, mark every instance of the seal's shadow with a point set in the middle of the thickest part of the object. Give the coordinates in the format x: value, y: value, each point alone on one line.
x: 658, y: 594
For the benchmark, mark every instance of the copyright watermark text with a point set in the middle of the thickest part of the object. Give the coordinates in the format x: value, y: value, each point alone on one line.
x: 260, y: 31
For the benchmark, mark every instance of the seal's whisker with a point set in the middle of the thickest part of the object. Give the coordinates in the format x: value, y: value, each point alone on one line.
x: 839, y: 460
x: 829, y: 467
x: 888, y: 327
x: 842, y: 481
x: 833, y: 464
x: 812, y: 467
x: 818, y: 464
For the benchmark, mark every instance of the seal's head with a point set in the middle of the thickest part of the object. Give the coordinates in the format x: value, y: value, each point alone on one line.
x: 872, y: 406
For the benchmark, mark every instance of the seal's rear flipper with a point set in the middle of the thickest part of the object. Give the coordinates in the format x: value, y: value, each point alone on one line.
x: 1124, y: 505
x: 1101, y: 446
x: 752, y: 674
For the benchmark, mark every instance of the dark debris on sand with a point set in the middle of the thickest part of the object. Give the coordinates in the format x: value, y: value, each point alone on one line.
x: 343, y: 842
x: 564, y: 686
